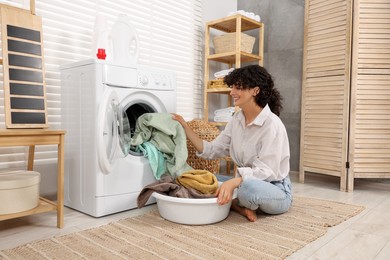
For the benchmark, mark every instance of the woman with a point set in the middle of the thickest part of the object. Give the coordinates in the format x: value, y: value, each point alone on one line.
x: 256, y: 140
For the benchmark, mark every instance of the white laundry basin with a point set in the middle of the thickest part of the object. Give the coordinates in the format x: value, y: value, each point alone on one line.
x: 191, y: 211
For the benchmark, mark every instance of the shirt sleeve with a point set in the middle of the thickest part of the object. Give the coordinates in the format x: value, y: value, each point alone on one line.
x: 219, y: 147
x: 272, y: 160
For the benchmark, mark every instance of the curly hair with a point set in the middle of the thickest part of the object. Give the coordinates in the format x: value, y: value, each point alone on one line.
x: 256, y: 76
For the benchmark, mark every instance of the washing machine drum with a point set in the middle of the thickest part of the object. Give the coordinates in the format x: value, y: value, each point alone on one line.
x: 113, y: 132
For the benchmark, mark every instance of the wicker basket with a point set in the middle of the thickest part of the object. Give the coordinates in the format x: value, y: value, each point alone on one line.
x: 206, y: 132
x: 227, y: 43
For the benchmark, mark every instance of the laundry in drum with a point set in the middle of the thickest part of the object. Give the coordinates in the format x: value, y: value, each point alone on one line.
x: 160, y: 130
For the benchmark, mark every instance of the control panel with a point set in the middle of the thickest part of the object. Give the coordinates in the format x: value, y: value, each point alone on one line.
x: 152, y: 78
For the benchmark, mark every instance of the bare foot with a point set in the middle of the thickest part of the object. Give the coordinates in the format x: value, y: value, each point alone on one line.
x: 248, y: 213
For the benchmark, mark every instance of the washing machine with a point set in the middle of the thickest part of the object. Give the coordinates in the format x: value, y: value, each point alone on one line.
x: 100, y: 104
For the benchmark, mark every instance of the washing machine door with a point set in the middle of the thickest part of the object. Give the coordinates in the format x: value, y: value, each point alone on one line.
x: 113, y: 132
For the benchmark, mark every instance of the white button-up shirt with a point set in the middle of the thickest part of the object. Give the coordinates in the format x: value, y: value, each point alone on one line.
x: 260, y: 150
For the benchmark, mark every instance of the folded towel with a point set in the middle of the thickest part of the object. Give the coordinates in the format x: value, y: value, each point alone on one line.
x: 167, y: 186
x: 251, y: 15
x: 225, y: 111
x: 222, y: 73
x: 223, y: 118
x: 200, y: 180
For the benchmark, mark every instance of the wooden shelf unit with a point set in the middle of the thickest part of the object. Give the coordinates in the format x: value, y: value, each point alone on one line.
x: 31, y: 138
x: 235, y: 23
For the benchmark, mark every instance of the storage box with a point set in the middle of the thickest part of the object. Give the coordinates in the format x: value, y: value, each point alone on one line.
x: 227, y: 43
x: 19, y: 191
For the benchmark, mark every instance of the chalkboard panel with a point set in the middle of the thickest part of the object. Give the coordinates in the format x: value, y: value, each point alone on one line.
x: 26, y: 89
x: 23, y: 69
x: 23, y: 33
x: 24, y: 61
x: 28, y: 118
x: 24, y: 47
x: 25, y: 75
x: 27, y: 103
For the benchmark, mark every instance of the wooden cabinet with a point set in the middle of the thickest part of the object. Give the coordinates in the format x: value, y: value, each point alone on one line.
x: 236, y: 58
x: 345, y: 123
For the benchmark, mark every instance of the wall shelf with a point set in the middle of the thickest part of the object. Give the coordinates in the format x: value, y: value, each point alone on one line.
x: 230, y: 57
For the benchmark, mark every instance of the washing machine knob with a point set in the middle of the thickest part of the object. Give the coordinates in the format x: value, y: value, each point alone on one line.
x: 144, y: 80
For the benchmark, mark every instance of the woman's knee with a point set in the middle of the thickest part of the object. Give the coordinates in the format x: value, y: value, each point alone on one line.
x: 275, y: 207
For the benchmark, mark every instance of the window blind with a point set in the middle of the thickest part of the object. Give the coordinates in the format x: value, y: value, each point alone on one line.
x: 170, y: 36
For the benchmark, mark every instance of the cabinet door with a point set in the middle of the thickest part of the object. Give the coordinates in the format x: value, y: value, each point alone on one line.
x: 326, y: 88
x: 370, y: 98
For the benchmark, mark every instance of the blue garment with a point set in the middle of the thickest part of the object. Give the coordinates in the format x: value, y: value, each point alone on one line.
x: 155, y: 157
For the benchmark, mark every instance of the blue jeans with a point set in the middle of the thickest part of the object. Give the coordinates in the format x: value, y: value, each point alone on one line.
x: 269, y: 197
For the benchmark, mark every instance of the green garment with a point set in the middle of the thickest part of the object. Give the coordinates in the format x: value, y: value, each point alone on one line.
x: 168, y: 136
x: 155, y: 157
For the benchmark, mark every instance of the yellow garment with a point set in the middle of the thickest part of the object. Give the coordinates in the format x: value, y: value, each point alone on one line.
x: 200, y: 180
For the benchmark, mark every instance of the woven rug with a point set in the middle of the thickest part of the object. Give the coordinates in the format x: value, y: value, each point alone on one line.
x: 150, y: 237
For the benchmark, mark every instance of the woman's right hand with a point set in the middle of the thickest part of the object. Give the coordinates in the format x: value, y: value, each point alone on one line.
x: 191, y: 135
x: 179, y: 119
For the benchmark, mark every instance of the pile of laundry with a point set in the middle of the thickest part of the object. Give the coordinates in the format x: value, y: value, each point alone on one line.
x: 163, y: 142
x: 224, y: 114
x: 192, y: 184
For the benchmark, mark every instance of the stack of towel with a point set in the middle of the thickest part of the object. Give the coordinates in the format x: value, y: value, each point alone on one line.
x: 224, y: 114
x: 222, y: 73
x: 247, y: 14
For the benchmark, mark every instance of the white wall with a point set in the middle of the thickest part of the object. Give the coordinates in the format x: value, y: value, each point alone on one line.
x: 215, y: 9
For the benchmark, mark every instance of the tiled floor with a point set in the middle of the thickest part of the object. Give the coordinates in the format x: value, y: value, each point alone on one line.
x: 366, y: 236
